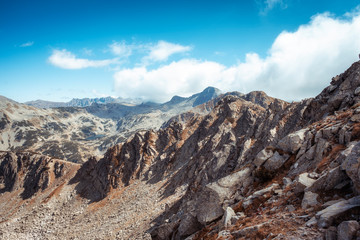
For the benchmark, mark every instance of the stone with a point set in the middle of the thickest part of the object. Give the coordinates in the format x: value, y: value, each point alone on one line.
x: 249, y: 230
x: 326, y: 216
x: 213, y: 195
x: 290, y: 208
x: 352, y: 165
x: 330, y: 233
x: 292, y: 142
x: 223, y: 234
x: 355, y: 118
x: 357, y: 91
x: 329, y: 203
x: 226, y: 219
x: 311, y: 222
x: 309, y: 200
x: 286, y: 181
x: 261, y: 194
x: 347, y: 230
x: 328, y: 181
x: 262, y: 156
x: 275, y: 161
x: 302, y: 182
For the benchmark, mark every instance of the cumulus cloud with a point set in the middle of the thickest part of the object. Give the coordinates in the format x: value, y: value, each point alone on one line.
x: 121, y: 49
x: 67, y: 60
x: 298, y: 65
x: 27, y: 44
x: 163, y: 50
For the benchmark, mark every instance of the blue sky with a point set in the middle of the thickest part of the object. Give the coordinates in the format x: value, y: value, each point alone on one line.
x: 61, y: 49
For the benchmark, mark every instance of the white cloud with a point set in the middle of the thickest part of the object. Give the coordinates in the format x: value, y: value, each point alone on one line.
x: 163, y: 50
x: 182, y: 78
x: 121, y: 49
x: 67, y: 60
x: 268, y: 5
x: 27, y: 44
x: 299, y: 65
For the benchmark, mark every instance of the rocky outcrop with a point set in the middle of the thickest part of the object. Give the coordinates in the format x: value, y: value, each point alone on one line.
x: 254, y: 167
x: 28, y: 172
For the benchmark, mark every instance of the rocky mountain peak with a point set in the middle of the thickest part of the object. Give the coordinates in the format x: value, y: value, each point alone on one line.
x: 252, y: 167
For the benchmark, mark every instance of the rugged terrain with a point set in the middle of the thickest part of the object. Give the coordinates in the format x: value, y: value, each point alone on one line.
x: 254, y: 167
x: 76, y: 133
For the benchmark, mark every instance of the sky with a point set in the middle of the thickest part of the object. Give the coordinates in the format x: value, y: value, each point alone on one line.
x: 62, y: 49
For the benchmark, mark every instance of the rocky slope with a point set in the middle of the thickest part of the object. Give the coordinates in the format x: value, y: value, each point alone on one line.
x: 75, y: 134
x: 254, y: 167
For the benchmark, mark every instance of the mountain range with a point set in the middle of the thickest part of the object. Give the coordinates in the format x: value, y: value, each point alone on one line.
x: 211, y: 166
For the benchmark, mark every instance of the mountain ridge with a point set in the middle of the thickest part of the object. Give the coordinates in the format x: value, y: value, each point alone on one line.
x: 252, y: 167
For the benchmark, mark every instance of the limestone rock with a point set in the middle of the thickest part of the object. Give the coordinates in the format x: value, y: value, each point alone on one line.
x: 309, y: 200
x: 261, y: 194
x: 275, y: 161
x: 262, y: 156
x: 328, y: 181
x: 228, y: 215
x: 352, y: 165
x: 326, y: 216
x: 330, y: 233
x: 214, y: 194
x: 302, y: 182
x: 292, y: 142
x: 347, y: 230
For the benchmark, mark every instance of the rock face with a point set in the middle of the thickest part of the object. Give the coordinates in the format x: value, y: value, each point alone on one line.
x: 82, y: 128
x: 286, y: 170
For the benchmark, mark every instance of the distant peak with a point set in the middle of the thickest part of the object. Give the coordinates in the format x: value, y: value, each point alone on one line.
x: 211, y: 90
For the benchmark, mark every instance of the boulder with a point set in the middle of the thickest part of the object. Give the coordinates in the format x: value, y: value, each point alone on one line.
x: 347, y: 230
x: 262, y: 156
x: 330, y: 233
x: 275, y: 161
x: 326, y: 216
x: 292, y: 142
x: 302, y: 182
x: 261, y: 194
x: 328, y: 181
x: 250, y: 230
x: 309, y: 200
x: 213, y: 195
x: 351, y: 165
x: 227, y: 218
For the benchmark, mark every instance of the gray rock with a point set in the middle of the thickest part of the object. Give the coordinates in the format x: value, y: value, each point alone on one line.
x: 286, y: 181
x: 302, y: 182
x: 309, y: 200
x: 329, y: 203
x: 226, y: 219
x: 249, y: 230
x: 311, y: 222
x: 262, y: 156
x: 326, y: 216
x: 357, y: 91
x: 328, y: 181
x: 260, y: 194
x: 292, y: 142
x: 347, y: 230
x: 330, y: 233
x: 214, y: 194
x: 275, y: 161
x: 352, y: 165
x: 290, y: 208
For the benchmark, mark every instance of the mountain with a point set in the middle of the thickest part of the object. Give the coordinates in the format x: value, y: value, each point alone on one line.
x: 74, y: 133
x: 82, y: 102
x: 197, y: 99
x: 251, y: 167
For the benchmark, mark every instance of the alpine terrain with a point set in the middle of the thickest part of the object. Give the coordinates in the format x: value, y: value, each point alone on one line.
x: 211, y: 166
